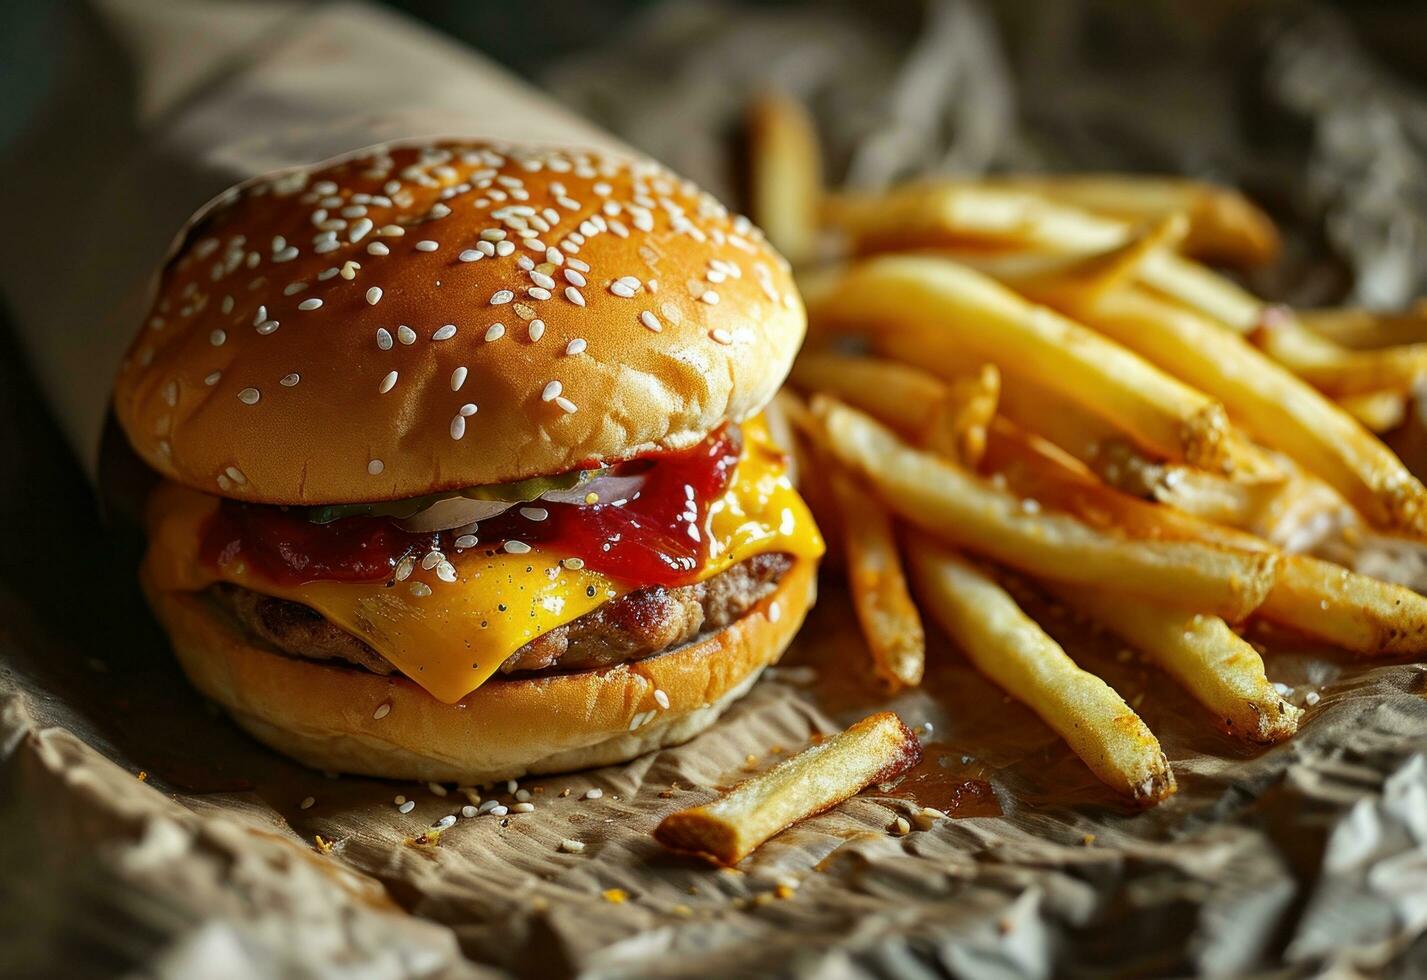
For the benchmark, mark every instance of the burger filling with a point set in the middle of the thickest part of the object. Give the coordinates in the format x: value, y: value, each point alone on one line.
x: 576, y: 571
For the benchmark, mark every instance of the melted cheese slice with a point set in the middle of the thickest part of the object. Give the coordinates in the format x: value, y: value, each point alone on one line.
x: 451, y: 637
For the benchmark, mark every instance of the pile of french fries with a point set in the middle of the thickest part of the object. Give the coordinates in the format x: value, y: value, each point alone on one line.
x: 1039, y: 379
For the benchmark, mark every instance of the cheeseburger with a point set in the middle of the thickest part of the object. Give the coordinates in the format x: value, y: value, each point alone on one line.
x: 463, y: 471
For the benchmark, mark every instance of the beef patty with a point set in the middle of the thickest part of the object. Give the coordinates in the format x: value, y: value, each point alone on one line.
x: 632, y: 627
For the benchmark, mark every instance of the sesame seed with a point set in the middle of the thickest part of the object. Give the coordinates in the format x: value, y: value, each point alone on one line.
x: 445, y: 571
x: 426, y: 245
x: 470, y: 255
x: 651, y: 321
x: 552, y: 391
x: 499, y: 810
x: 378, y: 248
x: 293, y: 288
x: 430, y: 560
x: 383, y: 338
x: 574, y: 564
x: 554, y: 256
x: 468, y: 409
x: 382, y: 711
x: 290, y: 380
x: 458, y: 426
x: 267, y: 327
x: 485, y: 248
x: 495, y: 331
x: 501, y: 297
x: 620, y: 288
x: 374, y: 295
x: 541, y: 279
x: 360, y: 229
x: 406, y: 335
x: 538, y: 292
x: 516, y: 548
x: 375, y: 466
x: 307, y: 803
x: 404, y: 568
x: 439, y: 210
x: 504, y: 248
x: 661, y: 699
x: 388, y: 382
x: 468, y: 811
x: 566, y: 406
x: 458, y: 378
x: 721, y: 335
x: 312, y: 303
x: 249, y: 396
x: 574, y: 278
x: 213, y: 378
x: 391, y: 231
x: 467, y: 541
x: 710, y: 297
x: 574, y: 296
x: 594, y: 794
x: 523, y: 808
x: 445, y: 333
x: 349, y: 271
x: 407, y: 807
x: 534, y: 513
x: 537, y: 330
x: 570, y: 846
x: 420, y: 589
x: 330, y: 245
x: 218, y: 338
x: 576, y: 346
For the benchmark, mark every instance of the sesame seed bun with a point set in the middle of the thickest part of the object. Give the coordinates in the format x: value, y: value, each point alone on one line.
x: 421, y: 318
x: 344, y: 719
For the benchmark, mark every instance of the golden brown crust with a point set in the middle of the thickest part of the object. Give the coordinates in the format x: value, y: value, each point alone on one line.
x: 233, y: 386
x: 327, y: 716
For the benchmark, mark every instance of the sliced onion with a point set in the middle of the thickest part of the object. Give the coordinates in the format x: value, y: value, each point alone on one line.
x: 607, y: 488
x: 452, y: 512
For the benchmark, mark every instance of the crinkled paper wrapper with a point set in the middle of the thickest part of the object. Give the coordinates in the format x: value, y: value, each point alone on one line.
x: 141, y: 833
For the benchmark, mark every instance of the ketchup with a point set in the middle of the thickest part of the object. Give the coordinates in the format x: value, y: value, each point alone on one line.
x: 656, y: 537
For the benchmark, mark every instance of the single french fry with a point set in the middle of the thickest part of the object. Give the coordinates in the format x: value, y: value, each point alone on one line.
x: 1275, y: 407
x: 928, y: 310
x: 904, y: 397
x: 1378, y: 411
x: 957, y: 507
x: 1223, y: 225
x: 1332, y: 368
x: 1217, y: 666
x: 785, y: 171
x: 875, y: 750
x: 1359, y: 329
x: 1013, y: 651
x: 889, y: 619
x: 968, y: 214
x: 1319, y: 599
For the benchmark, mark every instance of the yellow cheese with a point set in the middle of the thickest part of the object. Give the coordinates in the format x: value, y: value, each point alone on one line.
x: 450, y: 637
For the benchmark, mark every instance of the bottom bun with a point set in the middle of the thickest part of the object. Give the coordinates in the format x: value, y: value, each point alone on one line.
x: 344, y: 719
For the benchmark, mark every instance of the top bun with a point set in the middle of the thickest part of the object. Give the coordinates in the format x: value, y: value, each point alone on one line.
x: 424, y: 317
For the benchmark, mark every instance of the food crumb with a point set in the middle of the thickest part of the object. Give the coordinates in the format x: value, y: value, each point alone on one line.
x: 784, y: 891
x: 323, y: 846
x: 900, y: 827
x: 615, y: 896
x: 408, y: 806
x: 307, y: 803
x: 1088, y: 839
x: 1312, y: 698
x: 143, y: 776
x: 570, y: 846
x: 682, y: 911
x: 594, y: 794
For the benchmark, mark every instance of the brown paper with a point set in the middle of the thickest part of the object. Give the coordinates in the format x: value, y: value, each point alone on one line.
x: 140, y: 832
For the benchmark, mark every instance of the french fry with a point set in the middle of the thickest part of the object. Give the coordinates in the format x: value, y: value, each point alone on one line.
x: 875, y: 750
x: 1319, y: 599
x: 952, y: 214
x: 1223, y: 225
x: 1334, y: 369
x: 1378, y: 411
x: 1217, y: 666
x: 1275, y: 407
x: 962, y: 509
x: 1008, y: 647
x: 1368, y: 330
x: 931, y: 311
x: 889, y: 619
x: 785, y: 174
